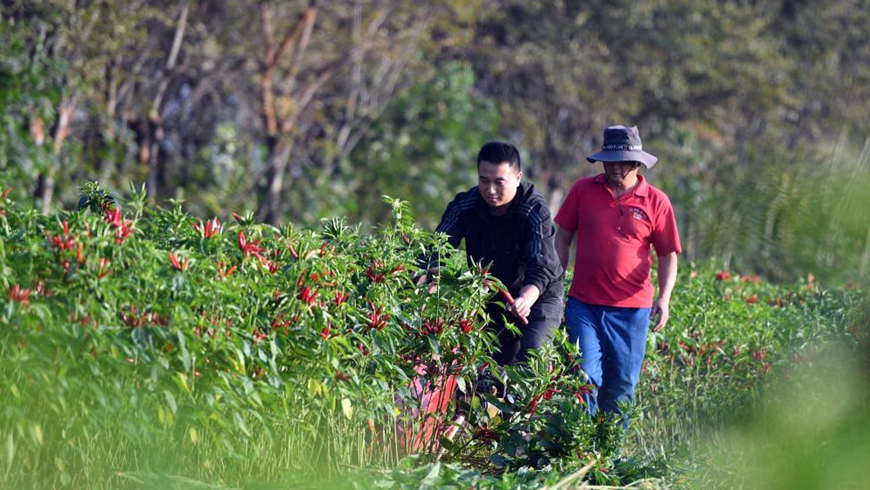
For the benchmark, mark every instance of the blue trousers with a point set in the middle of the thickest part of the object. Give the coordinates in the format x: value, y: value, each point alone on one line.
x: 612, y: 345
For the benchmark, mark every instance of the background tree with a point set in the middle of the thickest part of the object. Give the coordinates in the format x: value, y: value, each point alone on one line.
x: 312, y: 108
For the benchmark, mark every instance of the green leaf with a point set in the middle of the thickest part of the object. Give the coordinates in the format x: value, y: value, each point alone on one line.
x: 181, y: 381
x: 241, y: 424
x: 347, y: 408
x: 185, y: 354
x: 432, y: 476
x: 10, y: 451
x: 460, y: 384
x: 170, y: 400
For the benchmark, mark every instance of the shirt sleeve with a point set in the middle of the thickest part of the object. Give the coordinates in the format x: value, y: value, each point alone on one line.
x: 567, y: 215
x: 451, y: 221
x: 543, y: 266
x: 665, y: 237
x: 451, y: 225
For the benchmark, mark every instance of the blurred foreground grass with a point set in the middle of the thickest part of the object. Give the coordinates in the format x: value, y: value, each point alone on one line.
x: 812, y: 431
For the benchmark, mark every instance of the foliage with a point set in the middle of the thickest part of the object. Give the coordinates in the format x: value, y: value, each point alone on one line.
x: 727, y: 336
x: 395, y: 97
x: 29, y: 91
x: 141, y: 346
x: 138, y: 340
x: 741, y: 118
x: 425, y: 146
x: 811, y: 431
x: 711, y: 397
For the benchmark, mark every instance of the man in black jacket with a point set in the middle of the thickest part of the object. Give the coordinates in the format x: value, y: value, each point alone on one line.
x: 506, y: 223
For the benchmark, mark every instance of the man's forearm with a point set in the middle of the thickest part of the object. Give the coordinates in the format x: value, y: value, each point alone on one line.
x: 562, y: 252
x: 531, y: 293
x: 667, y: 275
x: 563, y: 247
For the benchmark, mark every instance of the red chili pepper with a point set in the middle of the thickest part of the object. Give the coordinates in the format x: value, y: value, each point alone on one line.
x: 466, y: 325
x: 174, y: 260
x: 308, y: 295
x: 340, y: 298
x: 19, y: 294
x: 534, y: 404
x: 548, y: 395
x: 433, y: 327
x: 104, y: 268
x: 397, y: 269
x: 507, y: 296
x: 212, y: 228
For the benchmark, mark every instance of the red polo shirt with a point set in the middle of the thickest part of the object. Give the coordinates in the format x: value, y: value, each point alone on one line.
x: 613, y: 260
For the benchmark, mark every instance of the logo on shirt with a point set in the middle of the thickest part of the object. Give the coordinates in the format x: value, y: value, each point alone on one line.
x: 638, y: 214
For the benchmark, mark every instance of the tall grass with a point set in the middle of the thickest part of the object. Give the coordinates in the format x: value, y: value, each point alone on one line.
x: 778, y: 210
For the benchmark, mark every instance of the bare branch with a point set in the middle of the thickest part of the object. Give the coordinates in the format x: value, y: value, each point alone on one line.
x: 374, y: 103
x: 356, y: 75
x: 154, y: 113
x: 296, y: 64
x: 268, y: 34
x: 179, y: 35
x: 303, y: 27
x: 306, y: 19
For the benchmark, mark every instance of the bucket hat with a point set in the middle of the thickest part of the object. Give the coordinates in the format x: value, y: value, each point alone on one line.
x: 622, y: 144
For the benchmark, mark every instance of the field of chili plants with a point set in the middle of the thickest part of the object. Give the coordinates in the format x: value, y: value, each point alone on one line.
x: 142, y: 347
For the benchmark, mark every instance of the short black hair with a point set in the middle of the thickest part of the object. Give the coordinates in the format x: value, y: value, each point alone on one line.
x: 498, y: 152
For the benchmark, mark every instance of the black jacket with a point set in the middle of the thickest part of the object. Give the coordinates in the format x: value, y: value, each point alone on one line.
x: 520, y: 244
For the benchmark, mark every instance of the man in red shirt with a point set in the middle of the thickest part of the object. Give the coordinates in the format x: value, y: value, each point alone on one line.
x: 616, y: 216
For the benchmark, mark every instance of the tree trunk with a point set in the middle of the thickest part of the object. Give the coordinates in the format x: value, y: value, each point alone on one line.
x: 279, y: 154
x: 46, y: 182
x: 156, y: 167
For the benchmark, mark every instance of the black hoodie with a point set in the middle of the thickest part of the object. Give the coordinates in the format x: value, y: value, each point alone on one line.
x: 519, y: 244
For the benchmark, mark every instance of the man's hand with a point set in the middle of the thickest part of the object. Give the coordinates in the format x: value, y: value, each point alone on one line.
x: 660, y: 310
x: 426, y: 276
x: 522, y: 306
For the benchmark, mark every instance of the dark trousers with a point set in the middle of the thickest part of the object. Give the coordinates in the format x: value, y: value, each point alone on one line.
x: 545, y: 317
